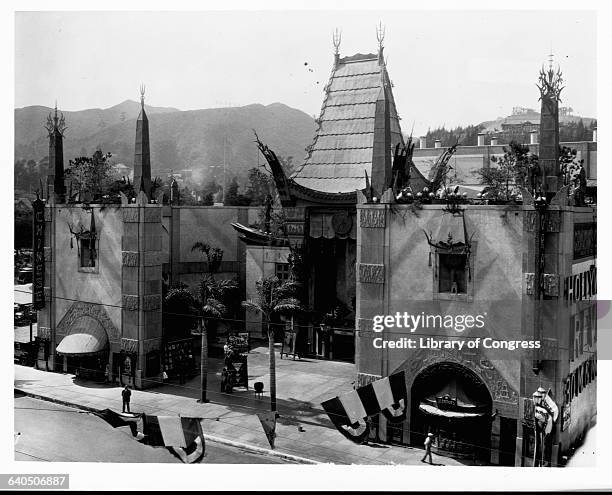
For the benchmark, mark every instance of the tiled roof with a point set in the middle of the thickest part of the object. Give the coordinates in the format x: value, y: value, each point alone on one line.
x: 341, y: 153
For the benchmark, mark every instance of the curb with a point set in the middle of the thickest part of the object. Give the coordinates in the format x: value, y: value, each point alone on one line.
x: 212, y: 438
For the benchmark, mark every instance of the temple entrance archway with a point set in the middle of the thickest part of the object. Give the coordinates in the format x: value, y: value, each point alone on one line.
x: 452, y: 402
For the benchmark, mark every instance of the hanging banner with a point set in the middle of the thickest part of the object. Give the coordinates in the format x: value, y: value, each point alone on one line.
x: 349, y: 412
x: 268, y: 422
x: 38, y: 255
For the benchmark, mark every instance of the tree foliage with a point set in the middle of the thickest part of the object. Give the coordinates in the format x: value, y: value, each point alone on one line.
x: 261, y: 184
x: 29, y: 174
x: 514, y: 169
x: 466, y: 136
x: 214, y: 295
x: 91, y: 177
x: 274, y: 297
x: 233, y: 197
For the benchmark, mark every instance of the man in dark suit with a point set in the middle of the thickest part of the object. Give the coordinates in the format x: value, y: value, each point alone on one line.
x: 126, y: 393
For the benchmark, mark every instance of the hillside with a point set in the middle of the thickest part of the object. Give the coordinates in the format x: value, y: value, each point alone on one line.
x: 179, y: 139
x: 496, y: 125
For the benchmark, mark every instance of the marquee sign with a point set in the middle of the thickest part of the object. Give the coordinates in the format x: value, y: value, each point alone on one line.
x: 446, y: 403
x: 38, y: 255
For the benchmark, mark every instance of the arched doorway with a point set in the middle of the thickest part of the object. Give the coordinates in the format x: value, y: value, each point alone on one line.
x: 452, y: 402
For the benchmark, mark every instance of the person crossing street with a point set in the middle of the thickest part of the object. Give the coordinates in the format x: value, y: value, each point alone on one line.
x: 428, y: 442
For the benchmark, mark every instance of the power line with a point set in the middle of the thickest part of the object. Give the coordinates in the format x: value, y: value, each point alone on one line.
x: 281, y: 325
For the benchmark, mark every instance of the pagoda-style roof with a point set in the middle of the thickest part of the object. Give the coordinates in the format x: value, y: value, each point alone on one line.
x: 358, y: 106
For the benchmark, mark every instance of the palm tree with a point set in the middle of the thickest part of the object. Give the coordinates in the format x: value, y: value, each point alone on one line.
x: 273, y: 298
x: 211, y: 296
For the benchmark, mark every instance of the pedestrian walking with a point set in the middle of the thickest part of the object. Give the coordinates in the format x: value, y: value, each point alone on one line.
x: 428, y: 442
x: 107, y: 373
x: 126, y: 394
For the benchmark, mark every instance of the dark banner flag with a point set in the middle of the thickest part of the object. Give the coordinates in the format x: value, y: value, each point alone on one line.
x: 181, y: 436
x: 38, y: 255
x: 118, y: 420
x: 268, y: 422
x: 349, y: 412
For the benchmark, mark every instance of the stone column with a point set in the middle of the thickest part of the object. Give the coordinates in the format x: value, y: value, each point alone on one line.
x: 518, y: 451
x: 142, y: 284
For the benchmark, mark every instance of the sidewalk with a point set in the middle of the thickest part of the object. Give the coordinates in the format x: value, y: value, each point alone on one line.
x: 231, y: 418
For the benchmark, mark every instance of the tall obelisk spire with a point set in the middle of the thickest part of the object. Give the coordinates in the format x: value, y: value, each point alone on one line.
x: 142, y: 153
x: 55, y: 177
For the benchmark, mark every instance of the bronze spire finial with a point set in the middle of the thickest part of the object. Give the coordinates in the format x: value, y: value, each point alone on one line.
x: 550, y: 81
x: 380, y: 35
x: 336, y: 40
x: 142, y: 94
x: 55, y: 123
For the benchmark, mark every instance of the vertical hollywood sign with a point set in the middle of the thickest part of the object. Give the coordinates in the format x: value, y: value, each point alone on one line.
x: 38, y: 255
x: 582, y: 286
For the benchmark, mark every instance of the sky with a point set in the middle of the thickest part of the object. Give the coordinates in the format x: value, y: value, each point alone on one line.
x: 448, y: 67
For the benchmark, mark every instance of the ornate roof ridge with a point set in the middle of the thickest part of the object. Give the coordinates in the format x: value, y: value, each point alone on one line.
x: 358, y: 57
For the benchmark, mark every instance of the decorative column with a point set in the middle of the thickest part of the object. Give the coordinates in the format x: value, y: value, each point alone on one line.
x: 372, y: 244
x: 142, y: 289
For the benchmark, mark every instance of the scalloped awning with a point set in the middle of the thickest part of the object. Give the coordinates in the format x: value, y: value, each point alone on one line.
x: 85, y: 336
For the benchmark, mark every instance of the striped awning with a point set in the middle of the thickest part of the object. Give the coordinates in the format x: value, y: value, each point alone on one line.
x: 86, y: 336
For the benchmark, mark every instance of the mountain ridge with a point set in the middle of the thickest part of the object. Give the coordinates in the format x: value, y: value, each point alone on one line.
x: 197, y: 139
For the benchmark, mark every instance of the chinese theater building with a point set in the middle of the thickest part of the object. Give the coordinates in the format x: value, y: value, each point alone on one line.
x: 507, y: 276
x: 356, y: 131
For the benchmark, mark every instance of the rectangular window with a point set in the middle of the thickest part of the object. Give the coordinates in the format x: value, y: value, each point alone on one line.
x: 452, y: 273
x: 88, y: 253
x: 282, y: 271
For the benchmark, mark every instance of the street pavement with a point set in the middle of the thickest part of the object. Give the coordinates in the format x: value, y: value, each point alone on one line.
x: 45, y: 431
x: 303, y: 429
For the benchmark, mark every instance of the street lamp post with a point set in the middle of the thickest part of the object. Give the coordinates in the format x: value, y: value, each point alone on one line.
x: 203, y: 361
